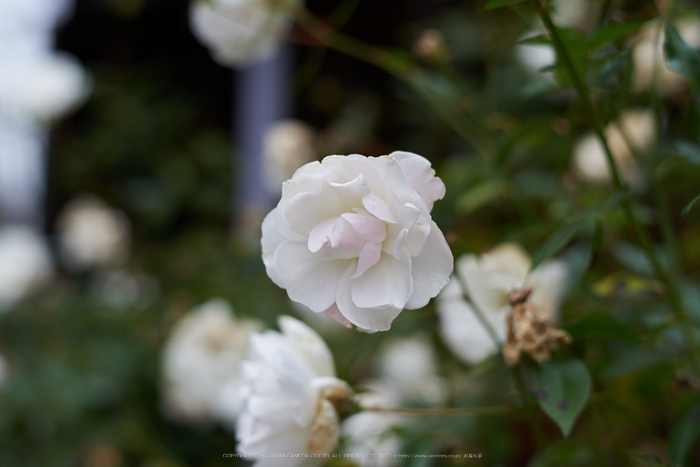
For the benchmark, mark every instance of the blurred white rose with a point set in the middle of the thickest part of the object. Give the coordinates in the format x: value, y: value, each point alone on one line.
x: 291, y: 393
x: 409, y: 366
x: 636, y: 126
x: 352, y: 236
x: 578, y: 14
x: 287, y: 145
x: 535, y: 56
x: 25, y: 263
x: 648, y: 57
x: 42, y: 86
x: 369, y: 432
x: 240, y: 32
x: 92, y: 235
x: 408, y: 375
x: 201, y: 365
x: 489, y: 281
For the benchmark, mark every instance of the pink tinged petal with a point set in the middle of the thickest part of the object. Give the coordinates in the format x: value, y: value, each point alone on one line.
x: 335, y: 313
x: 306, y: 210
x: 320, y: 234
x: 369, y: 256
x: 431, y: 269
x: 388, y: 284
x: 369, y: 319
x: 421, y: 176
x: 344, y: 240
x: 366, y: 225
x: 271, y: 239
x: 310, y: 278
x: 378, y: 208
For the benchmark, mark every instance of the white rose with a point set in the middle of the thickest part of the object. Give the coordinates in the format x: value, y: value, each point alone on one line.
x: 369, y: 432
x: 43, y: 86
x: 290, y: 390
x: 25, y: 263
x: 239, y: 32
x: 635, y: 127
x: 91, y: 234
x: 489, y: 281
x: 201, y: 365
x: 409, y: 367
x: 352, y: 236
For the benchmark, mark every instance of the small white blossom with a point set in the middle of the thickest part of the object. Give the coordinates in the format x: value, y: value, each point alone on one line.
x: 489, y: 280
x: 635, y: 127
x: 352, y: 236
x: 290, y: 393
x: 93, y: 235
x: 42, y: 86
x: 240, y: 32
x: 25, y: 263
x: 201, y: 365
x: 287, y: 145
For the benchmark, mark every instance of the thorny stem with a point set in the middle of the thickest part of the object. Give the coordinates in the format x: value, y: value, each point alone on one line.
x: 643, y: 235
x: 401, y: 68
x: 532, y: 414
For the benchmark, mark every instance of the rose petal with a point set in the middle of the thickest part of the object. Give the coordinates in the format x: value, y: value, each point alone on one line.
x: 271, y: 239
x: 369, y: 319
x: 335, y: 313
x: 310, y: 278
x: 378, y: 208
x: 387, y: 284
x: 306, y: 210
x: 369, y: 256
x: 420, y: 176
x: 431, y: 269
x: 366, y: 225
x: 320, y: 234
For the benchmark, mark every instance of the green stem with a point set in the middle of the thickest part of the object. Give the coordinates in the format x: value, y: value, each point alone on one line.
x: 479, y: 315
x: 528, y: 402
x: 446, y: 412
x: 642, y: 234
x: 403, y: 69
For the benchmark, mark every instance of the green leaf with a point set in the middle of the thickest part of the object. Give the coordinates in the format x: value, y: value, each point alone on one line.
x: 562, y: 388
x: 689, y: 150
x: 614, y: 32
x: 683, y: 434
x: 480, y: 195
x: 494, y: 4
x: 681, y: 57
x: 556, y: 242
x: 600, y: 326
x: 686, y: 210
